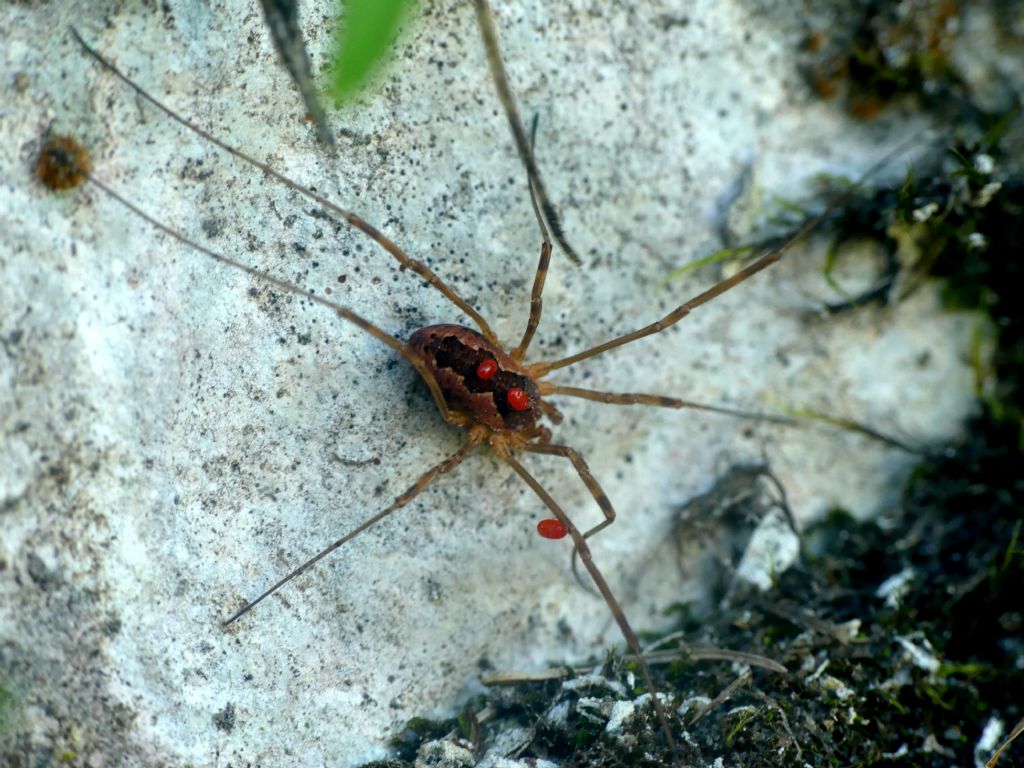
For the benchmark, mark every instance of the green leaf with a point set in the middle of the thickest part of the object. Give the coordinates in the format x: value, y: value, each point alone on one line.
x: 364, y: 40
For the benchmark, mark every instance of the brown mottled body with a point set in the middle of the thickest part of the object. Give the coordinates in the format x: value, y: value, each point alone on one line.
x: 453, y: 354
x: 63, y: 163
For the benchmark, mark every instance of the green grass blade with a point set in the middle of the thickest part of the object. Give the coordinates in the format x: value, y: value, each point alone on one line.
x: 364, y: 41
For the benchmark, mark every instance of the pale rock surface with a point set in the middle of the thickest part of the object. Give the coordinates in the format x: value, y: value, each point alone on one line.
x: 175, y: 435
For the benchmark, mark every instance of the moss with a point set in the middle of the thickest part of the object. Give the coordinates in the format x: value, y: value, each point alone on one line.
x: 417, y: 731
x: 881, y: 52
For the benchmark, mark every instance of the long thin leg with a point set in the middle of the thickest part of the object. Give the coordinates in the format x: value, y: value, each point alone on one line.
x: 508, y: 102
x: 538, y: 370
x: 636, y: 398
x: 613, y: 605
x: 537, y: 294
x: 358, y: 222
x: 631, y: 398
x: 588, y: 480
x: 378, y: 333
x: 414, y: 490
x: 596, y: 491
x: 283, y: 24
x: 551, y: 411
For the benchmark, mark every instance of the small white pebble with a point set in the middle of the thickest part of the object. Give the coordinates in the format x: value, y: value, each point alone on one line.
x: 694, y: 703
x: 932, y: 744
x: 840, y: 689
x: 443, y: 754
x: 559, y: 713
x: 925, y: 212
x: 921, y: 657
x: 772, y: 549
x: 902, y: 751
x: 621, y: 712
x: 986, y: 193
x: 896, y: 587
x: 991, y: 734
x: 818, y: 672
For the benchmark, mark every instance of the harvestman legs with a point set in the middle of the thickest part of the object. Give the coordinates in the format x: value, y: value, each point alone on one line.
x: 580, y: 545
x: 443, y: 467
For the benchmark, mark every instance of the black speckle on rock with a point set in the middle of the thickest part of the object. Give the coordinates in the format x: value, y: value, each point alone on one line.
x: 224, y: 720
x: 112, y: 625
x: 38, y: 572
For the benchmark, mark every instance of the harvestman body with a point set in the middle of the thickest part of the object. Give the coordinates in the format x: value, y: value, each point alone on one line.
x: 491, y: 392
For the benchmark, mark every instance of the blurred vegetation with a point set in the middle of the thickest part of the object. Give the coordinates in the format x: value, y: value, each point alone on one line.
x: 364, y: 43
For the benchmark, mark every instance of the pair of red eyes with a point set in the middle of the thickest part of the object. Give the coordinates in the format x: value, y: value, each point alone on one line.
x: 516, y: 397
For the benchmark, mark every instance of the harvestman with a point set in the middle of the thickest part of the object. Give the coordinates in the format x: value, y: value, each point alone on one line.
x: 476, y: 383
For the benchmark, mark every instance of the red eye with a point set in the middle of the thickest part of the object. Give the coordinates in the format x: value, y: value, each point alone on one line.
x: 486, y: 370
x: 517, y: 399
x: 551, y: 529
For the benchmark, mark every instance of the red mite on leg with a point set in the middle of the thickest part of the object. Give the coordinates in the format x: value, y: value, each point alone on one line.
x: 494, y: 395
x: 551, y: 529
x: 486, y: 370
